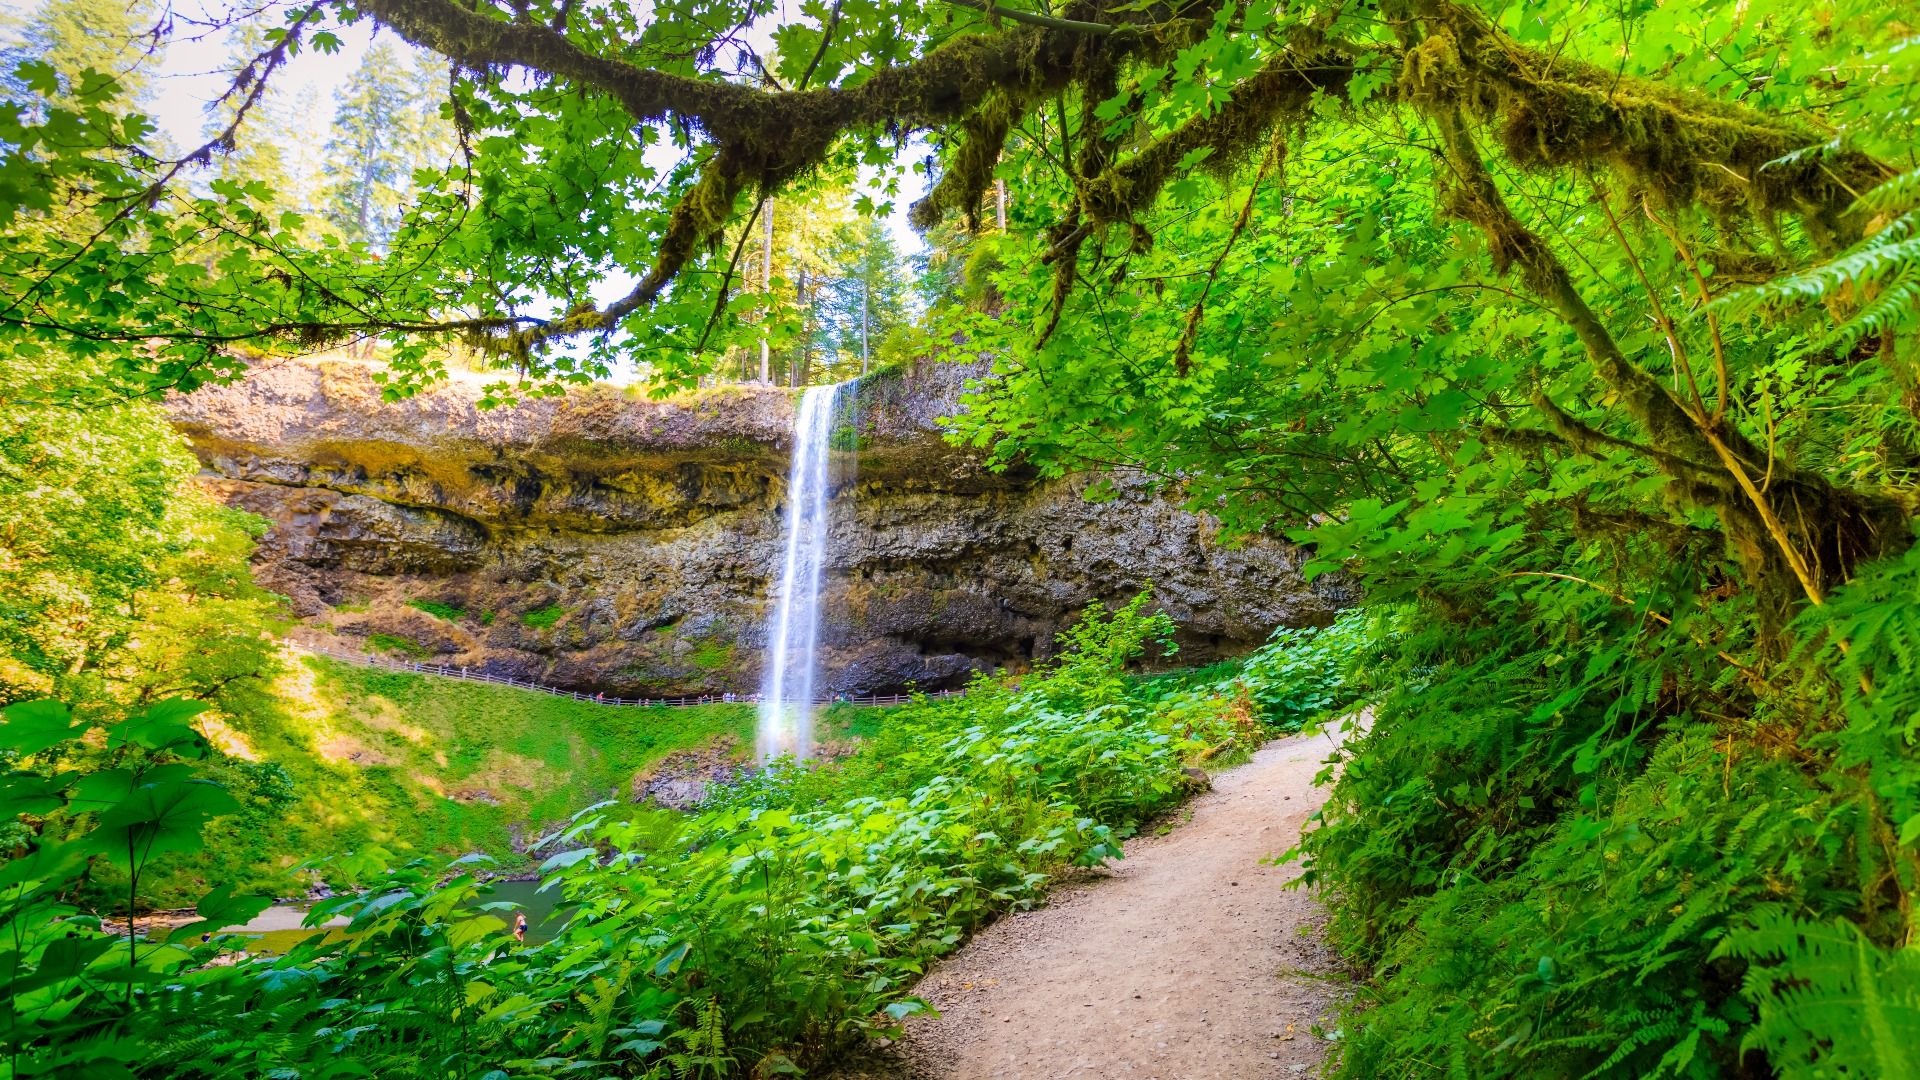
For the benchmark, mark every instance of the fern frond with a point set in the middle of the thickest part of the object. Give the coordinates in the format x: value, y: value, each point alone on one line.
x: 1890, y: 258
x: 1896, y: 306
x: 1839, y: 144
x: 1830, y: 1002
x: 1863, y: 264
x: 1898, y: 194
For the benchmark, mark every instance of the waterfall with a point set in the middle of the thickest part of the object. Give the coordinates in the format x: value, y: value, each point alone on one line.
x: 786, y: 701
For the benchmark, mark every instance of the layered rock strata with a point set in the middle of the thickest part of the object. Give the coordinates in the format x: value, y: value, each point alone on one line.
x: 610, y: 542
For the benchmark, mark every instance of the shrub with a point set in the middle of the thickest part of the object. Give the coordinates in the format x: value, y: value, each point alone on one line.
x: 1561, y: 857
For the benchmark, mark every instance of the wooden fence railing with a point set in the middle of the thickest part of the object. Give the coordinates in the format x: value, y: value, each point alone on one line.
x: 457, y: 671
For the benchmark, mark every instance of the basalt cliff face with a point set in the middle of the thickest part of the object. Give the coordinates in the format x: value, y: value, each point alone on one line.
x: 608, y: 542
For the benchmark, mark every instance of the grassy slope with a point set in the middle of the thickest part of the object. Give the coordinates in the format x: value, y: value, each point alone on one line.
x: 382, y: 759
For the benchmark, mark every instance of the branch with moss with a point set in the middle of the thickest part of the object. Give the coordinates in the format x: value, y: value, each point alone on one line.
x: 981, y: 80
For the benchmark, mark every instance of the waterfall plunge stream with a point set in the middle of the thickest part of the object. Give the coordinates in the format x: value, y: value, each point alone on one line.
x: 786, y: 699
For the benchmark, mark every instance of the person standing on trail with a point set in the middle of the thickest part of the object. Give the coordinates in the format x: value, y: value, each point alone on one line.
x: 520, y: 927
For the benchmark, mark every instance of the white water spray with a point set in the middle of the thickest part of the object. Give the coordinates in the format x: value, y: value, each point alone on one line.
x: 786, y: 701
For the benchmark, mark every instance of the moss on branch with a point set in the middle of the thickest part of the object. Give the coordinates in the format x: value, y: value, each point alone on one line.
x: 1549, y: 112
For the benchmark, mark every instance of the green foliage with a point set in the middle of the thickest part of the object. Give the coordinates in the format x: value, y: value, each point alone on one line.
x: 394, y: 643
x: 1501, y: 308
x: 1101, y: 645
x: 1632, y: 514
x: 1301, y: 675
x: 137, y: 799
x: 1830, y: 997
x: 440, y: 610
x: 713, y: 655
x: 1877, y: 279
x: 760, y: 936
x: 1560, y: 870
x: 542, y: 618
x: 87, y: 500
x: 350, y: 758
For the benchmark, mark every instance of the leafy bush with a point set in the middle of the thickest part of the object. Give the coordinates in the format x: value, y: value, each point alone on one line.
x: 116, y: 798
x: 1556, y: 867
x: 1300, y: 675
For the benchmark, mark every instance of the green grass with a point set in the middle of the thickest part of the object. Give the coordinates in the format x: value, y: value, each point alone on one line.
x: 396, y: 643
x: 375, y: 759
x: 713, y: 655
x: 541, y: 618
x: 438, y: 610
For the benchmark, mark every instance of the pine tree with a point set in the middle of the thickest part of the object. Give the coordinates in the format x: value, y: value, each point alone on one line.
x: 868, y: 297
x: 386, y: 124
x: 259, y: 152
x: 806, y: 233
x: 838, y: 286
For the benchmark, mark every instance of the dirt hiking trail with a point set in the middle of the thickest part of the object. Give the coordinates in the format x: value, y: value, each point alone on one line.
x: 1186, y: 960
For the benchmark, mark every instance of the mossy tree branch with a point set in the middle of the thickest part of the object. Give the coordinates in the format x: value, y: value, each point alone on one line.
x: 1821, y: 547
x: 1550, y: 113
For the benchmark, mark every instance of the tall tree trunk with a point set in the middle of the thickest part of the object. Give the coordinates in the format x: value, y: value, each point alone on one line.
x: 802, y: 356
x: 766, y: 286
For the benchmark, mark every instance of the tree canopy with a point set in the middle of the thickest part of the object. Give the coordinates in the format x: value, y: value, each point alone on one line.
x: 595, y: 139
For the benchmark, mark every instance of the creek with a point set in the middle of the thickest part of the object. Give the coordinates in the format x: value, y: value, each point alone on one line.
x: 282, y: 926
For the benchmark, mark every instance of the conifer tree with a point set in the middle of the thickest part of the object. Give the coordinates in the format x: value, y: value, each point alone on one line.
x: 261, y: 155
x: 386, y: 125
x: 868, y: 297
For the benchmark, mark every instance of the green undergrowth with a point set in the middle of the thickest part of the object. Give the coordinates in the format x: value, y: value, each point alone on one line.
x: 778, y: 927
x: 349, y: 758
x: 395, y: 643
x: 1570, y: 856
